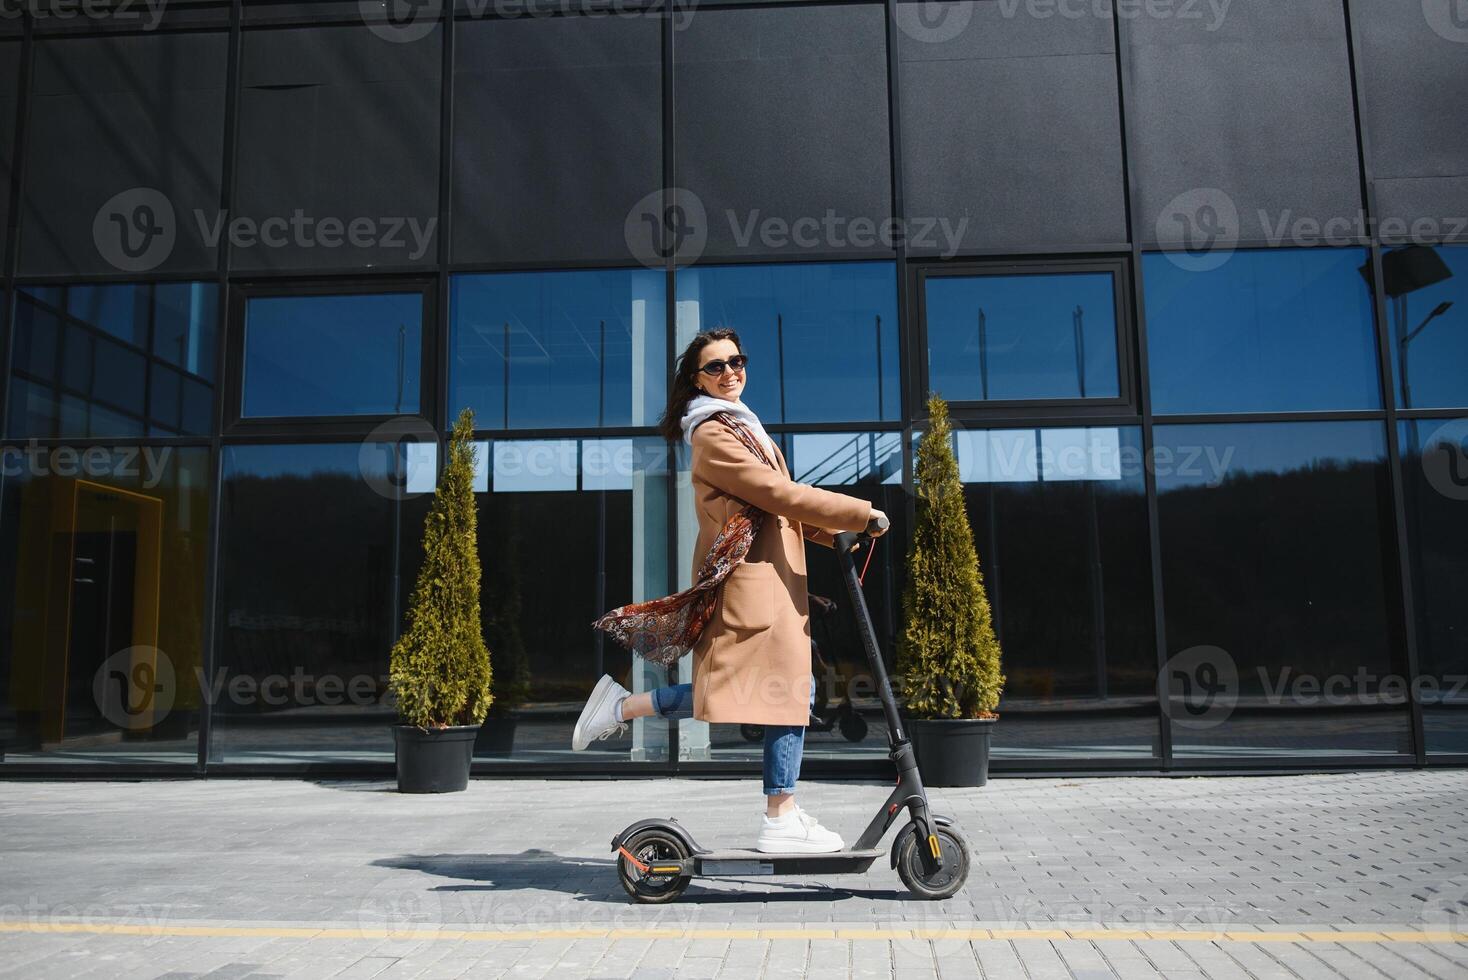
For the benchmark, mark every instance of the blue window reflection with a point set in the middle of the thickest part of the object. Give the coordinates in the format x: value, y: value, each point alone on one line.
x: 128, y: 359
x: 540, y: 465
x: 821, y: 336
x: 1003, y: 338
x: 559, y: 349
x: 830, y: 459
x: 1427, y: 304
x: 1101, y: 453
x: 1269, y: 330
x: 354, y: 354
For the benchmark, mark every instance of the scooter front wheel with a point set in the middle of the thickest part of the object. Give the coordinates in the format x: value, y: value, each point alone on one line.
x: 649, y: 847
x: 943, y: 882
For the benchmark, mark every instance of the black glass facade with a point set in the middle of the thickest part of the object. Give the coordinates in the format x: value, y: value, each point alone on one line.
x: 1206, y: 365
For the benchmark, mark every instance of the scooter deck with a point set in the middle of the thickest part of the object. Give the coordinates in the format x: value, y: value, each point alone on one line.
x: 748, y: 862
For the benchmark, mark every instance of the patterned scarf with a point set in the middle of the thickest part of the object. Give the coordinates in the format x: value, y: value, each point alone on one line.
x: 663, y: 630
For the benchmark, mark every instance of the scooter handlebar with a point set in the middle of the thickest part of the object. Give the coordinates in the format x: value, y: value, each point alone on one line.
x: 849, y: 541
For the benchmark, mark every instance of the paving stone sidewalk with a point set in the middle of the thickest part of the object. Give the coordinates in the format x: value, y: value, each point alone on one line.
x: 1353, y: 875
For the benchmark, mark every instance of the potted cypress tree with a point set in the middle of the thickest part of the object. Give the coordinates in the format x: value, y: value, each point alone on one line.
x: 947, y: 657
x: 440, y: 670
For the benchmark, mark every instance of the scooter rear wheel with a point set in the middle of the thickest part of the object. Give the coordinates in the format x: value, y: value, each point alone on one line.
x: 649, y: 847
x: 943, y: 882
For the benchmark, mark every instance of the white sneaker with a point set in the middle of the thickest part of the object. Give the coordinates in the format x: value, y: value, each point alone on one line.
x: 797, y: 832
x: 599, y: 718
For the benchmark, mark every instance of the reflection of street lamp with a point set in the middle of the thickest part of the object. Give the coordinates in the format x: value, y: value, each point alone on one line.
x: 398, y: 457
x: 1078, y: 324
x: 1406, y: 270
x: 601, y: 496
x: 984, y: 354
x: 1407, y: 339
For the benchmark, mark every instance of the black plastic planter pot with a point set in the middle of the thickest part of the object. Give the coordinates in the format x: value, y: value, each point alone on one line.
x: 435, y: 760
x: 952, y: 752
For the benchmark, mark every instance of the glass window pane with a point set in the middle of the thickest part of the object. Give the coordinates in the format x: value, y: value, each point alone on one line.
x: 821, y: 337
x: 86, y: 356
x: 121, y: 311
x: 830, y: 459
x: 102, y: 564
x: 1435, y: 481
x: 1276, y: 563
x: 1268, y: 330
x: 303, y: 644
x: 1427, y: 307
x: 559, y: 349
x: 354, y: 354
x: 535, y: 465
x: 184, y: 315
x: 1003, y: 338
x: 610, y: 544
x: 1060, y: 522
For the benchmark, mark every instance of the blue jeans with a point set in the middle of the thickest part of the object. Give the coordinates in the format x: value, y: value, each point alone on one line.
x: 784, y: 744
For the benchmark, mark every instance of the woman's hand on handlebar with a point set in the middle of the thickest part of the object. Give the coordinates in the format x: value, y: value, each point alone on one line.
x: 877, y: 524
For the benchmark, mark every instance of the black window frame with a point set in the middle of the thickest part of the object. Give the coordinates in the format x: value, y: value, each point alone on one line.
x: 1119, y: 268
x: 237, y: 424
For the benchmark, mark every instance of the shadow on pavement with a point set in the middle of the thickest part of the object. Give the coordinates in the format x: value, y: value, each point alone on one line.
x: 595, y: 879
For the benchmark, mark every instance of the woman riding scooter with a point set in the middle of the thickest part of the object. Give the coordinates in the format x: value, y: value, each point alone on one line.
x: 752, y: 661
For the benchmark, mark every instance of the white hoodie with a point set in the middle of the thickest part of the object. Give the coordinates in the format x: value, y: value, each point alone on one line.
x: 700, y: 407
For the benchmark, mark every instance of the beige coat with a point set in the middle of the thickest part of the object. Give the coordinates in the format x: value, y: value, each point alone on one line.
x: 752, y: 664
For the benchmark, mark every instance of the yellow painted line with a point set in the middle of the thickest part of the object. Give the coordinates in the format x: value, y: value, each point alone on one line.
x: 873, y: 934
x: 1426, y: 937
x: 957, y: 931
x: 721, y: 934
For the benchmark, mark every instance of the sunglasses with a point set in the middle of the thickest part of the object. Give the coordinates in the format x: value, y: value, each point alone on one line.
x: 716, y: 368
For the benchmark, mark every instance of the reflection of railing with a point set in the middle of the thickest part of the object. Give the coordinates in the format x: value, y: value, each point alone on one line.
x: 113, y: 348
x: 848, y: 457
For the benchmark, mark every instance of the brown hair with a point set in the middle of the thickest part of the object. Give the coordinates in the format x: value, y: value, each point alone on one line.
x: 682, y: 390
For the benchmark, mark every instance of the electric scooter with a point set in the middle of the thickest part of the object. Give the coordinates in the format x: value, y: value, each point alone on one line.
x: 657, y: 859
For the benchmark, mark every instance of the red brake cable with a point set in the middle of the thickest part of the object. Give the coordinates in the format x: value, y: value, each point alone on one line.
x: 862, y: 578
